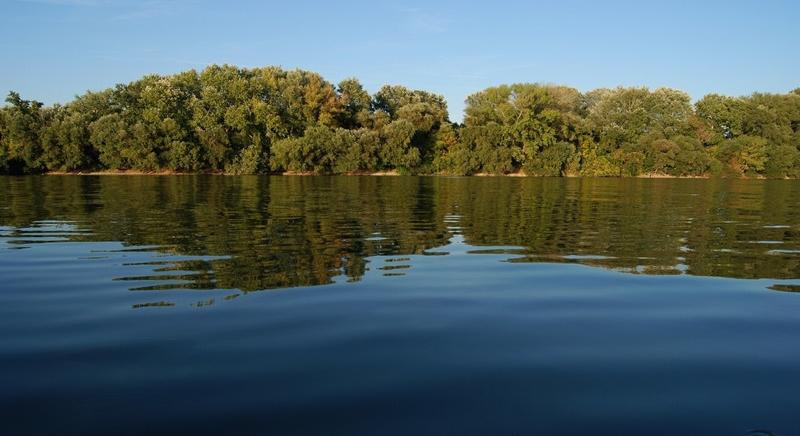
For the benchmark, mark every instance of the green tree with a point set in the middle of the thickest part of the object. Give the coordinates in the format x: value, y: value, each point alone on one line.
x: 23, y: 123
x: 625, y: 123
x: 538, y: 126
x: 257, y: 120
x: 313, y: 152
x: 356, y: 104
x: 397, y: 150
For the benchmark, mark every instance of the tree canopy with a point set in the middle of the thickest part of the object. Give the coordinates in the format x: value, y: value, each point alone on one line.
x: 268, y: 120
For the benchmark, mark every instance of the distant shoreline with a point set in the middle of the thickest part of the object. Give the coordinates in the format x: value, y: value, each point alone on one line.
x: 227, y: 119
x: 391, y: 173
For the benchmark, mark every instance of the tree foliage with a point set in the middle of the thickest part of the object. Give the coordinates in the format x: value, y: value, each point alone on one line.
x: 259, y: 120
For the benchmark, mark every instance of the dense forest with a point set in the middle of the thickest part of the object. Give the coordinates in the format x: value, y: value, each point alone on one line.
x: 233, y: 120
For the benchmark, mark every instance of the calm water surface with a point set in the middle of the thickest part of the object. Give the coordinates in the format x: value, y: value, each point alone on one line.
x: 403, y: 305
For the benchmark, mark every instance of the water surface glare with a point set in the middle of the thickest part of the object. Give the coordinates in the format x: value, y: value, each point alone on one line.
x: 398, y: 305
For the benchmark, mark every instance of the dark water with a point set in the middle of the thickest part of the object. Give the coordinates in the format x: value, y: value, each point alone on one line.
x: 349, y: 305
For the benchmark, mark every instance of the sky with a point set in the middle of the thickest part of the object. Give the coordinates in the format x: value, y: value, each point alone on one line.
x: 52, y: 50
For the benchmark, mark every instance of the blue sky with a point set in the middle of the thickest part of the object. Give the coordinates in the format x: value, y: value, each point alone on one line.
x: 51, y: 50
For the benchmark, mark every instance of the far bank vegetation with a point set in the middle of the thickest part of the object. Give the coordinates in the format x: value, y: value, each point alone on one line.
x: 233, y: 120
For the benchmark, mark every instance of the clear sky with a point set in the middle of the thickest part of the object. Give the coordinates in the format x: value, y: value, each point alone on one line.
x: 51, y: 50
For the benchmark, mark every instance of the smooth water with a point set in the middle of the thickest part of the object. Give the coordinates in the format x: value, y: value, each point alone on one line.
x: 399, y: 305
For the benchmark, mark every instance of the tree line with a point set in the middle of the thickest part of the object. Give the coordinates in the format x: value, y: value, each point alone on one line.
x: 233, y: 120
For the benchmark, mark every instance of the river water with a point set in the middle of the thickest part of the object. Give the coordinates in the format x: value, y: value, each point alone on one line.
x: 398, y: 305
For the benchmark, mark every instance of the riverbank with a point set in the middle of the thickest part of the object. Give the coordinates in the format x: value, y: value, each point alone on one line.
x: 125, y: 173
x: 357, y: 173
x: 207, y: 173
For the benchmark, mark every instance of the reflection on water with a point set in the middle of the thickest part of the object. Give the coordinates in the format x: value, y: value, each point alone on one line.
x: 255, y: 233
x: 129, y: 305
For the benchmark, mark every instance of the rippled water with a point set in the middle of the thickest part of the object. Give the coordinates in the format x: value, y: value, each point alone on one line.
x: 400, y: 305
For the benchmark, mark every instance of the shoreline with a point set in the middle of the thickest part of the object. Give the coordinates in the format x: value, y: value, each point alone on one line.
x: 126, y: 173
x: 388, y: 173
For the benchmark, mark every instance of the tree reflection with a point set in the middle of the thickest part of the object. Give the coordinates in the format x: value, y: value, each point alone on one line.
x: 277, y: 232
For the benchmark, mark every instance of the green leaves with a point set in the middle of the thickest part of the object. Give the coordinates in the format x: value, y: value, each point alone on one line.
x: 259, y: 120
x: 523, y: 126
